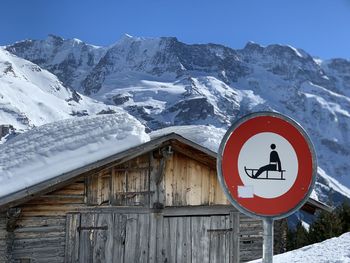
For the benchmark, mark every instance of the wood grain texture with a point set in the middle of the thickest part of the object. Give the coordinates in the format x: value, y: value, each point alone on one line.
x: 190, y: 182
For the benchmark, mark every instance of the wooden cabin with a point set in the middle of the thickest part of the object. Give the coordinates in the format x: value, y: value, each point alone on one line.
x: 157, y: 202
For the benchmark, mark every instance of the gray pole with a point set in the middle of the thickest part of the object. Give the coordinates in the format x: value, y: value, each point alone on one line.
x: 268, y: 240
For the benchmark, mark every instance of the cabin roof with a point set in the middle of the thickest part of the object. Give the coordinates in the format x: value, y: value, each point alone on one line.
x: 176, y: 141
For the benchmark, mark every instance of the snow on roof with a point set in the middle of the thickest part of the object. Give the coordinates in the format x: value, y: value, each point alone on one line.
x: 207, y: 136
x: 331, y: 250
x: 52, y: 149
x: 56, y: 148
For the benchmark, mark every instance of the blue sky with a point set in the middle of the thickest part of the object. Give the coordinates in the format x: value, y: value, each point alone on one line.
x: 320, y: 27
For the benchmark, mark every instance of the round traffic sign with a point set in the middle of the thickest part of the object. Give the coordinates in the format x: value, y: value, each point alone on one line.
x: 266, y: 165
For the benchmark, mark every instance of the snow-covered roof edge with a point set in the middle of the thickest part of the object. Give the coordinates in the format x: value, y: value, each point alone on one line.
x: 66, y: 178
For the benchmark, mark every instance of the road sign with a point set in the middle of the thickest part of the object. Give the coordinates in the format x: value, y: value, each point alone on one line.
x: 266, y: 165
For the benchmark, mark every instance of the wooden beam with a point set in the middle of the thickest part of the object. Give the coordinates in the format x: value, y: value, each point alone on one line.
x: 199, y: 210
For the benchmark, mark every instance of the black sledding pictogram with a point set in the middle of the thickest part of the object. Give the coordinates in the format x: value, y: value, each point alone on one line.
x: 274, y: 165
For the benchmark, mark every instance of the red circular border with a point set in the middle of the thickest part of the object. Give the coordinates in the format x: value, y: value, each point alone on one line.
x: 268, y: 206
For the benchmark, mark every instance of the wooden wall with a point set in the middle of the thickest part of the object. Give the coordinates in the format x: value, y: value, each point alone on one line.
x: 189, y: 182
x: 185, y: 182
x: 3, y: 238
x: 152, y: 181
x: 39, y: 231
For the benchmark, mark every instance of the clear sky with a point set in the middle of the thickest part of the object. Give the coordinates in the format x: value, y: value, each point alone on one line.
x: 320, y: 27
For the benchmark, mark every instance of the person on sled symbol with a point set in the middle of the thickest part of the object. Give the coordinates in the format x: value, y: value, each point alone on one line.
x: 274, y: 165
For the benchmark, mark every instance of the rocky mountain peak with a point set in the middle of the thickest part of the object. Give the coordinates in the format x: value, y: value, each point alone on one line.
x: 54, y: 39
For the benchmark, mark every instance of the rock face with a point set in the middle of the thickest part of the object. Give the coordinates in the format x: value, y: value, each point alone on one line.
x: 70, y: 60
x: 163, y: 82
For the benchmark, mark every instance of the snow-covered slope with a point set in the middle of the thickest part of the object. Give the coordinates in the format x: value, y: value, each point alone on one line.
x: 70, y: 60
x: 31, y: 96
x: 52, y: 149
x: 334, y: 250
x: 164, y: 82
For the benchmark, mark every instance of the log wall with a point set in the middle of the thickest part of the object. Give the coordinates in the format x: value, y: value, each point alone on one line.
x: 3, y: 238
x: 39, y: 232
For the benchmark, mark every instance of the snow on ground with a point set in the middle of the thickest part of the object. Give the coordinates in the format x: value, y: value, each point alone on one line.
x: 334, y: 250
x: 52, y: 149
x: 206, y: 136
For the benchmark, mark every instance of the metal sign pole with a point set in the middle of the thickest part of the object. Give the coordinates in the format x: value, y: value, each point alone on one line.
x: 268, y: 240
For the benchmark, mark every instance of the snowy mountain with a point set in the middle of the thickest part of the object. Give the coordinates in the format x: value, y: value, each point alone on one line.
x: 70, y: 60
x: 31, y: 96
x: 164, y: 82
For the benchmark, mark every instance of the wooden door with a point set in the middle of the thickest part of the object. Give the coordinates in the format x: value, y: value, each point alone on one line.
x: 202, y: 239
x: 134, y: 238
x: 107, y: 237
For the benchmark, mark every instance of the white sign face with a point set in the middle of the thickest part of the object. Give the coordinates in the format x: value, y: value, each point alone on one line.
x: 267, y: 165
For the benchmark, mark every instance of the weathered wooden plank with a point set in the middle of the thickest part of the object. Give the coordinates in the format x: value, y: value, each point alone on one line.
x: 37, y: 234
x: 86, y: 241
x: 169, y: 182
x: 155, y: 197
x: 183, y: 248
x: 39, y: 242
x: 4, y: 242
x: 39, y: 229
x: 37, y: 221
x: 104, y: 190
x: 218, y: 249
x: 130, y: 183
x: 49, y: 210
x: 102, y: 250
x: 172, y: 239
x: 163, y: 242
x: 138, y: 183
x: 161, y: 257
x: 180, y: 239
x: 53, y: 200
x: 119, y: 236
x: 76, y: 188
x: 119, y: 209
x: 92, y: 186
x: 250, y: 239
x: 189, y: 151
x: 132, y: 239
x: 235, y: 245
x: 179, y: 180
x: 198, y: 210
x: 200, y: 241
x: 136, y: 242
x: 193, y: 196
x: 219, y: 196
x: 118, y: 186
x: 205, y: 176
x: 143, y: 228
x: 189, y: 182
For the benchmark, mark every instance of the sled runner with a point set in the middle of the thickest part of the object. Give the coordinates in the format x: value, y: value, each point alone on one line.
x: 269, y: 175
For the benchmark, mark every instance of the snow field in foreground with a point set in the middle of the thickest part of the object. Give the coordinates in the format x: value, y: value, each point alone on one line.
x: 334, y: 250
